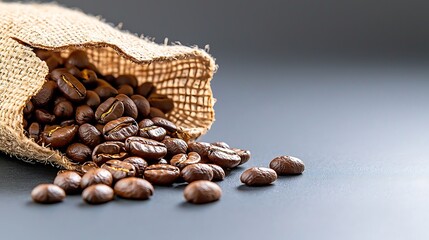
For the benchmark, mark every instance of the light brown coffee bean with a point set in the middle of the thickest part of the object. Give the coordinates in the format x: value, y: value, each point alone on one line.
x: 258, y: 176
x: 284, y: 165
x: 182, y: 160
x: 48, y: 193
x: 202, y: 191
x: 198, y: 171
x: 134, y: 188
x: 97, y: 194
x: 95, y: 176
x: 69, y: 181
x: 218, y: 172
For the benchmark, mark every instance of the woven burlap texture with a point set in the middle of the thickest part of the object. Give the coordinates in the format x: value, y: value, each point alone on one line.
x: 183, y: 73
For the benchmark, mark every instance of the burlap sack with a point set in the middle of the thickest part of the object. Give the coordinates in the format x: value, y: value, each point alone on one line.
x: 182, y: 73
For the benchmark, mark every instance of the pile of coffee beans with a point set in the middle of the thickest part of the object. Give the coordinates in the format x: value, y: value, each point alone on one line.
x: 117, y: 131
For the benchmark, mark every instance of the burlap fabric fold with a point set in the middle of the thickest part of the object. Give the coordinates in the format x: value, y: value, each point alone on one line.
x: 182, y: 73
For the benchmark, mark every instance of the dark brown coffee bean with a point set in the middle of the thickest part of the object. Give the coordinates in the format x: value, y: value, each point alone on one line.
x: 198, y: 171
x: 92, y: 99
x: 34, y: 131
x: 72, y: 88
x: 44, y: 96
x: 84, y: 114
x: 29, y: 108
x: 142, y: 104
x: 53, y: 62
x: 244, y: 155
x: 120, y: 129
x: 95, y: 176
x: 89, y: 135
x: 224, y: 157
x: 43, y: 116
x: 134, y: 188
x: 175, y: 146
x: 126, y: 79
x: 139, y: 164
x: 109, y: 78
x: 67, y: 123
x: 126, y: 90
x: 58, y: 136
x: 146, y: 89
x: 166, y: 124
x: 109, y: 151
x: 258, y: 176
x: 73, y: 70
x: 162, y: 102
x: 89, y: 77
x: 99, y: 127
x: 69, y: 181
x: 202, y: 148
x: 182, y: 160
x: 43, y: 54
x: 109, y: 110
x: 155, y: 112
x: 145, y: 148
x: 105, y: 92
x: 221, y: 144
x: 161, y: 174
x: 202, y: 191
x: 148, y: 130
x: 78, y: 58
x: 119, y: 169
x: 284, y: 165
x: 59, y: 99
x: 130, y: 108
x: 63, y: 109
x: 78, y: 152
x: 218, y: 172
x: 48, y: 193
x: 97, y: 194
x: 86, y: 166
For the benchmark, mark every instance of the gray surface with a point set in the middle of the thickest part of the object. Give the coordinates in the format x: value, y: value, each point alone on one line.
x: 361, y: 130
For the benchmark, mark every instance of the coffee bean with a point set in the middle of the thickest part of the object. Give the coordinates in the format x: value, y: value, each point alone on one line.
x: 126, y: 79
x: 134, y: 188
x: 198, y: 171
x: 161, y: 174
x: 109, y: 110
x: 78, y: 152
x: 182, y: 160
x: 105, y: 92
x: 175, y: 146
x: 59, y: 99
x: 95, y: 176
x: 69, y: 85
x: 155, y: 112
x: 89, y: 77
x: 54, y: 61
x: 148, y: 130
x: 29, y: 107
x: 202, y: 148
x: 84, y: 114
x: 57, y: 136
x: 126, y: 90
x: 221, y: 144
x: 34, y: 131
x: 44, y: 96
x: 162, y: 161
x: 119, y: 169
x: 43, y: 54
x: 92, y: 99
x: 146, y: 89
x: 48, y: 193
x: 24, y: 123
x: 284, y: 165
x: 244, y: 155
x: 142, y: 104
x: 258, y: 176
x: 89, y: 135
x: 202, y: 191
x: 63, y: 109
x: 43, y: 116
x: 166, y: 124
x: 223, y: 157
x: 86, y: 166
x: 120, y: 129
x: 130, y: 108
x: 73, y: 70
x: 139, y: 164
x: 218, y: 172
x: 69, y: 181
x: 109, y: 78
x: 99, y: 127
x: 67, y: 123
x: 145, y: 148
x: 97, y: 194
x: 162, y: 102
x: 109, y: 151
x: 78, y: 58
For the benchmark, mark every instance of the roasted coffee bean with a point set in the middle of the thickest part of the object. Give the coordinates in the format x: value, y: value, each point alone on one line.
x: 139, y: 164
x: 175, y: 146
x: 97, y: 194
x: 43, y: 116
x: 99, y: 127
x: 92, y: 99
x: 126, y: 90
x: 146, y: 89
x: 218, y: 172
x: 48, y: 193
x: 161, y: 174
x: 69, y: 181
x: 84, y: 114
x: 89, y: 135
x: 244, y: 155
x: 89, y: 77
x: 67, y: 123
x: 155, y: 112
x: 73, y: 70
x: 34, y: 131
x: 109, y: 110
x: 59, y: 99
x: 43, y: 54
x: 142, y: 104
x: 126, y: 79
x: 162, y: 161
x: 63, y: 109
x: 78, y: 152
x: 134, y: 188
x: 284, y: 165
x: 29, y: 108
x: 53, y: 62
x: 44, y: 96
x: 95, y: 176
x: 202, y: 148
x: 86, y: 166
x: 182, y: 160
x: 130, y: 108
x: 145, y: 148
x: 58, y: 136
x: 110, y: 78
x: 198, y: 171
x: 148, y: 130
x: 78, y: 58
x: 166, y: 124
x: 105, y: 92
x: 109, y: 151
x: 223, y: 157
x: 95, y: 69
x: 221, y: 144
x: 69, y: 85
x: 119, y: 169
x: 202, y: 191
x: 162, y: 102
x: 258, y: 176
x: 120, y: 129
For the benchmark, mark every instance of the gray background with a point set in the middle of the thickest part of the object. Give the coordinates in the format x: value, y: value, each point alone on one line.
x: 341, y: 84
